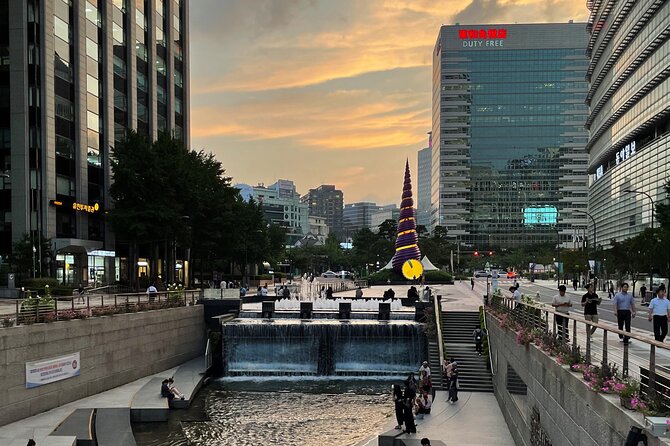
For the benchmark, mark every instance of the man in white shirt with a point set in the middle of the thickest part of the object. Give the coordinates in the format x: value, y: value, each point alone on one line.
x: 425, y: 368
x: 264, y: 291
x: 561, y: 304
x: 659, y: 310
x: 152, y: 292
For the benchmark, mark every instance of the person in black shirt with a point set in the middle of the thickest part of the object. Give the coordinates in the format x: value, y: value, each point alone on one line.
x: 590, y: 302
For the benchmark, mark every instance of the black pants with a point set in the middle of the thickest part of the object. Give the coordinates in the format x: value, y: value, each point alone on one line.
x: 660, y: 327
x: 623, y: 320
x: 478, y: 346
x: 410, y: 426
x: 562, y: 328
x: 399, y: 409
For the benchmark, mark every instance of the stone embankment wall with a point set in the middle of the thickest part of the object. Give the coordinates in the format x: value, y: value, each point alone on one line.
x: 115, y: 350
x: 558, y: 406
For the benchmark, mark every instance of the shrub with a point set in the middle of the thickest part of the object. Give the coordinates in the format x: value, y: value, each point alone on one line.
x: 438, y: 277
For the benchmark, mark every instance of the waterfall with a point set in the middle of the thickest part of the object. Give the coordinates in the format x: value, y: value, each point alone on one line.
x: 321, y: 347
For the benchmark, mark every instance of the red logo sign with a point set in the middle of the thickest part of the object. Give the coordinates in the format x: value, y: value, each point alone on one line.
x: 468, y: 34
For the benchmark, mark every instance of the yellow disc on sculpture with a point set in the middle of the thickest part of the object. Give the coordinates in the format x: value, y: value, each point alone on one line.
x: 412, y: 269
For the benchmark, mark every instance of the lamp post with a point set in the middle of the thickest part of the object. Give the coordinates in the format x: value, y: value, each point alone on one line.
x: 653, y: 206
x: 595, y: 260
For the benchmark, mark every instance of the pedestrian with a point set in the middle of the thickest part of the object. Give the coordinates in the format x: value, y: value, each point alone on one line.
x: 174, y: 389
x: 472, y: 283
x: 31, y: 442
x: 590, y: 302
x: 329, y: 292
x: 516, y: 295
x: 424, y: 403
x: 425, y: 368
x: 264, y: 291
x: 286, y: 293
x: 624, y: 308
x: 478, y: 336
x: 243, y: 291
x: 359, y: 292
x: 425, y: 442
x: 410, y: 386
x: 152, y: 291
x: 453, y: 386
x: 398, y: 403
x: 408, y: 414
x: 643, y: 292
x: 561, y: 304
x: 659, y: 310
x: 610, y: 290
x: 322, y: 293
x: 575, y: 282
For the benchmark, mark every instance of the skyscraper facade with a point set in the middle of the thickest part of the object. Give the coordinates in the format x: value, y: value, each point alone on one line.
x: 74, y: 77
x: 358, y: 215
x: 327, y: 201
x: 423, y: 187
x: 508, y: 157
x: 629, y: 116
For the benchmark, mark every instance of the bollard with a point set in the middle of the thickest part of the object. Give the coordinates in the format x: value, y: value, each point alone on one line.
x: 268, y: 309
x: 384, y: 311
x: 345, y: 310
x: 306, y: 310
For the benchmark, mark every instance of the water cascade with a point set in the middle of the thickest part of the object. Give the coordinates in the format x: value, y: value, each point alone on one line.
x: 254, y: 347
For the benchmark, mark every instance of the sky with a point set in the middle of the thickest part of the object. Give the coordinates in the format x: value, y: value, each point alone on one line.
x: 328, y: 91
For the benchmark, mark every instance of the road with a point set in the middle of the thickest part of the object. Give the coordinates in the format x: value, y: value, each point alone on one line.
x: 547, y: 290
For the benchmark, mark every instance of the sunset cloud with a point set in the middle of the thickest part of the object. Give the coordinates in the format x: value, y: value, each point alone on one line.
x: 327, y: 92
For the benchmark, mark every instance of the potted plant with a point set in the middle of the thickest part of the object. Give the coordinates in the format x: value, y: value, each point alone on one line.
x: 630, y: 390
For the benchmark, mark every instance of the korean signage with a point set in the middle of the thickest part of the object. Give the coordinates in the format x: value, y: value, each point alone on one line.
x: 491, y: 37
x: 620, y: 156
x: 51, y: 370
x: 78, y: 207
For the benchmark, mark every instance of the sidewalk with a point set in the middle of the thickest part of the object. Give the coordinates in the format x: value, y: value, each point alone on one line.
x: 475, y: 420
x: 38, y: 427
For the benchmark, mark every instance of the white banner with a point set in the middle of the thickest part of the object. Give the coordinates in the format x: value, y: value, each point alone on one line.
x: 51, y: 370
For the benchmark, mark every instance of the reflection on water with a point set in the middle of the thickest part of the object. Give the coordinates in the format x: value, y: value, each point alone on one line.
x: 307, y: 411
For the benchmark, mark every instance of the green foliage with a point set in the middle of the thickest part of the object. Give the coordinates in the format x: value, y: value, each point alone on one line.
x: 21, y: 258
x: 438, y: 277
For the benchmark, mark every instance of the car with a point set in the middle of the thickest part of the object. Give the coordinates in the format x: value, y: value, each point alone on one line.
x: 329, y: 274
x: 479, y: 274
x: 511, y: 275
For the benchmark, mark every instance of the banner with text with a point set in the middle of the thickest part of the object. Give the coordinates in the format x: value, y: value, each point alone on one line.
x: 51, y: 370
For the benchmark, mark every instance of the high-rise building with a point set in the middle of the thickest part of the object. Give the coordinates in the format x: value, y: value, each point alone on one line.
x: 509, y: 159
x: 423, y: 185
x: 281, y: 206
x: 326, y: 201
x: 74, y: 76
x: 358, y: 215
x: 629, y: 116
x: 388, y: 212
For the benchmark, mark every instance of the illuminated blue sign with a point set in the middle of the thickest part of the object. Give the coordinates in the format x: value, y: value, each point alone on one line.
x: 547, y: 215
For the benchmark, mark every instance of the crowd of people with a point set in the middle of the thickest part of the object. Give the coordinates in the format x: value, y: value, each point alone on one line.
x: 415, y: 400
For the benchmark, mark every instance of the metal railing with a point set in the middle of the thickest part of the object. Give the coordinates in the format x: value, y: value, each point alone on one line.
x: 648, y: 361
x: 51, y: 309
x: 488, y: 343
x: 437, y: 305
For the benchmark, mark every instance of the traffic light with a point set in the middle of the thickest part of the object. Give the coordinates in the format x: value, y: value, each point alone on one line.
x: 476, y: 253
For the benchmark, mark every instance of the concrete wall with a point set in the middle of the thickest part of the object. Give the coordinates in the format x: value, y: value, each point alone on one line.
x: 570, y: 413
x: 114, y: 350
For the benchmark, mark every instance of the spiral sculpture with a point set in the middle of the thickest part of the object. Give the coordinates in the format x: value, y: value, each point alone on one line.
x: 406, y: 244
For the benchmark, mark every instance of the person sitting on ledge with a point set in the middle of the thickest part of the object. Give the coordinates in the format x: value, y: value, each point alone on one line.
x: 359, y: 292
x: 174, y: 389
x: 165, y: 390
x: 329, y: 292
x: 423, y: 403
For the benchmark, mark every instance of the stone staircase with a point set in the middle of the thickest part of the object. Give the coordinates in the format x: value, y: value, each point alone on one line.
x: 457, y: 328
x: 435, y: 366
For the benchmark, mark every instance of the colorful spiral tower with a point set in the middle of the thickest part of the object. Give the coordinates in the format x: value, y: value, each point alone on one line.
x: 407, y: 241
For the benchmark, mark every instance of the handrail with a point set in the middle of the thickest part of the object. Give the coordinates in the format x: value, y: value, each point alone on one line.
x: 438, y: 323
x: 488, y: 342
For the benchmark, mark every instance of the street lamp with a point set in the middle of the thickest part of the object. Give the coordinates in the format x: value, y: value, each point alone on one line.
x: 653, y: 206
x: 595, y: 270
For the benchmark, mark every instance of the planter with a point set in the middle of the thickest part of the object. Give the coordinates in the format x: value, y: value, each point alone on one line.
x: 626, y: 402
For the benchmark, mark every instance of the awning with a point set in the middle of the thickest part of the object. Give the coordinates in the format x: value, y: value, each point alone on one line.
x: 428, y: 265
x: 75, y: 245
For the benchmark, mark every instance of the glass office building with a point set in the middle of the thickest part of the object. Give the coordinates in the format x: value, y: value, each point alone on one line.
x: 629, y: 116
x: 74, y: 77
x: 508, y: 158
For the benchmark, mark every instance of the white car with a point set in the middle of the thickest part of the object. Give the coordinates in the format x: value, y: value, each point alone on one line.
x: 329, y: 275
x: 479, y: 274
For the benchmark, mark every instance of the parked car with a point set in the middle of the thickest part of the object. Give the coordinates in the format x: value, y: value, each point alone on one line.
x: 512, y: 275
x: 329, y: 274
x: 479, y: 274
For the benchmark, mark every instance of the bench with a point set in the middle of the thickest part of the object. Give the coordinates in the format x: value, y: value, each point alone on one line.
x: 148, y: 405
x: 388, y: 438
x: 78, y: 424
x: 188, y: 379
x: 112, y: 427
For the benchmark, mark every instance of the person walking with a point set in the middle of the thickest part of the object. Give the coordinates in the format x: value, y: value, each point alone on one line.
x: 399, y: 404
x: 624, y: 308
x: 453, y: 386
x: 516, y: 295
x: 643, y: 292
x: 478, y: 336
x: 562, y: 304
x: 659, y: 310
x: 472, y: 283
x: 590, y: 302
